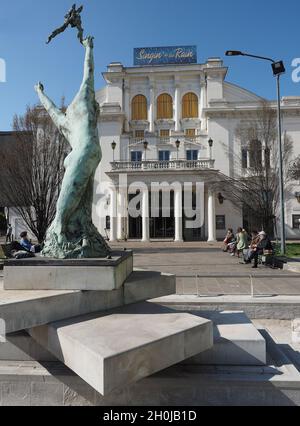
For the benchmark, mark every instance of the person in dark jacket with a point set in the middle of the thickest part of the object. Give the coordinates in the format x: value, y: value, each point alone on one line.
x: 263, y: 244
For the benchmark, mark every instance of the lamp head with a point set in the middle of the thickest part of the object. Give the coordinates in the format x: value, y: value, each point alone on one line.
x: 234, y: 53
x: 278, y: 68
x: 177, y: 143
x: 210, y: 142
x: 221, y: 198
x: 146, y: 145
x: 113, y: 145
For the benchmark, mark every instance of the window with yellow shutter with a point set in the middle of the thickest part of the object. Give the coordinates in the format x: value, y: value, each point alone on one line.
x: 139, y: 108
x: 164, y: 107
x: 190, y: 133
x: 190, y: 106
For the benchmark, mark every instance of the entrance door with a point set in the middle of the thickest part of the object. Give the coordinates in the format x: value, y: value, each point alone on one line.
x: 135, y: 228
x: 135, y: 224
x: 163, y: 227
x: 192, y: 234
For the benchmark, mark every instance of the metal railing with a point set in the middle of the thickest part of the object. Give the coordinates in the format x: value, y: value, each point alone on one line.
x: 163, y: 165
x: 253, y: 285
x: 167, y: 140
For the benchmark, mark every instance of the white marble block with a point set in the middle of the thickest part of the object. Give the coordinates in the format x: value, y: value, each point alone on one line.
x: 112, y: 350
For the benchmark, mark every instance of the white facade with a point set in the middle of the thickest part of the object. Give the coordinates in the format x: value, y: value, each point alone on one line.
x: 221, y: 107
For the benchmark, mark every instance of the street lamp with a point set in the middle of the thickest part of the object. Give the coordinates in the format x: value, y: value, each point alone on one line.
x: 145, y: 148
x: 278, y: 69
x: 210, y: 144
x: 177, y: 143
x: 114, y: 146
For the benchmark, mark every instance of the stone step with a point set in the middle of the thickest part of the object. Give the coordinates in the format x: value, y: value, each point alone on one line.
x: 237, y: 342
x: 22, y: 347
x: 83, y: 274
x: 248, y: 348
x: 112, y: 350
x: 23, y: 309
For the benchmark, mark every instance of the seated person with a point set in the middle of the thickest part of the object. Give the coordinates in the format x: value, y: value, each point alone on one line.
x: 26, y: 244
x: 242, y: 241
x: 228, y: 239
x: 254, y: 241
x: 263, y: 244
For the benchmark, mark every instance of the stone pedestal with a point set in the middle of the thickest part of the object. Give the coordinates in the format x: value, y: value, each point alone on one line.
x: 23, y: 309
x: 83, y: 274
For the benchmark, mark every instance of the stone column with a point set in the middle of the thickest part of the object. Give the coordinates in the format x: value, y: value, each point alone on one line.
x: 203, y: 103
x: 126, y: 107
x: 145, y: 216
x: 178, y: 215
x: 152, y: 106
x: 248, y: 159
x: 212, y: 234
x: 121, y: 213
x: 113, y: 215
x: 177, y: 105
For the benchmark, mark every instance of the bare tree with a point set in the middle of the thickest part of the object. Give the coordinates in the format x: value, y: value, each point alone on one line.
x: 33, y: 170
x: 254, y: 183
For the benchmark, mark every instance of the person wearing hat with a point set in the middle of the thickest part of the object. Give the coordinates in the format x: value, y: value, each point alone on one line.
x: 264, y: 243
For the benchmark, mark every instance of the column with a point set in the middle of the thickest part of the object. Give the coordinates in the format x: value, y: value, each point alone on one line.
x: 203, y: 102
x: 178, y: 215
x: 122, y: 213
x: 152, y: 105
x: 212, y: 234
x: 248, y: 159
x: 177, y: 105
x: 145, y: 216
x: 113, y: 215
x: 126, y: 107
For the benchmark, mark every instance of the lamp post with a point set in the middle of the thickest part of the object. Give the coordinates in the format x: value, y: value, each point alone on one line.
x: 278, y: 69
x: 145, y: 148
x: 113, y: 147
x: 177, y: 143
x: 210, y: 144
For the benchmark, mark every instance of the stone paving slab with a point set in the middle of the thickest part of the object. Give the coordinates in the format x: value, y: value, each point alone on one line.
x: 113, y: 349
x: 236, y: 341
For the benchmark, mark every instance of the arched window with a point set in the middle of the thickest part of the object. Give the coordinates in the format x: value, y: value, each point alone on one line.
x: 164, y: 107
x: 139, y: 108
x: 190, y: 106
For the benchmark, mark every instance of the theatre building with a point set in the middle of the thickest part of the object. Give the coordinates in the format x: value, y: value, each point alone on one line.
x: 171, y: 120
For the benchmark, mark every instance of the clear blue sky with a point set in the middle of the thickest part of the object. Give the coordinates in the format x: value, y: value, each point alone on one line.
x: 268, y: 28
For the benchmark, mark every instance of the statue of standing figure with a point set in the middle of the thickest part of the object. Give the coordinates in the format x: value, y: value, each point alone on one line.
x: 72, y: 234
x: 73, y: 19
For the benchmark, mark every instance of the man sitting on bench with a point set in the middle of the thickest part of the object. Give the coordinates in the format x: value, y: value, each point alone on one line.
x: 263, y: 244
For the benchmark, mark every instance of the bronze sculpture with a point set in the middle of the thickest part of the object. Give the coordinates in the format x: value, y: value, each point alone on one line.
x: 72, y: 234
x: 73, y: 19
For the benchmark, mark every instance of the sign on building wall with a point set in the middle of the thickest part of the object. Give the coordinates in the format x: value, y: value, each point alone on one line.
x: 165, y: 55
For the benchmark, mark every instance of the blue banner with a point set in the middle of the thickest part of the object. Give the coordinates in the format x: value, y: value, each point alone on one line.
x: 165, y: 55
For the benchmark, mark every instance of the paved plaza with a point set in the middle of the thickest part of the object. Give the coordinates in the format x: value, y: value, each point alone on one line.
x: 189, y: 260
x: 203, y: 269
